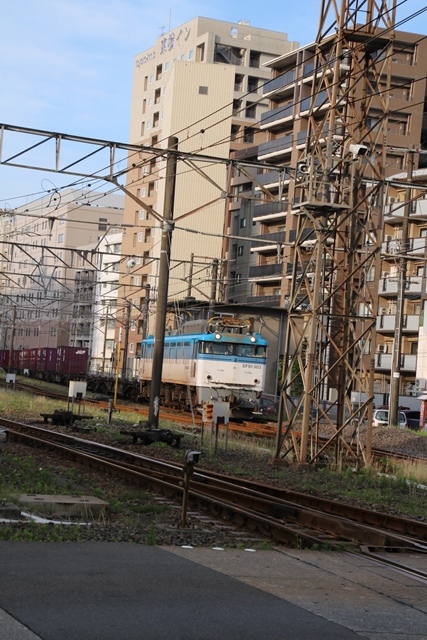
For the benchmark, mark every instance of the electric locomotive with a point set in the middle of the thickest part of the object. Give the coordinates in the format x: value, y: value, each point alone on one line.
x: 218, y: 360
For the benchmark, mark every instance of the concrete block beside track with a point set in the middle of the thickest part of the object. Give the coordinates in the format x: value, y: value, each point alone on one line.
x: 63, y: 506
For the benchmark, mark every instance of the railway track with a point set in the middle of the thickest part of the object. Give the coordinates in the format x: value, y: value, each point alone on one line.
x: 286, y: 517
x: 251, y: 429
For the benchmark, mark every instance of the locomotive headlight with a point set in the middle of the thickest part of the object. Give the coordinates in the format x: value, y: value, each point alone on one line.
x: 253, y: 339
x: 218, y: 336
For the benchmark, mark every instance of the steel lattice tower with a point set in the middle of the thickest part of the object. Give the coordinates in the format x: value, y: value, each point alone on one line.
x: 337, y: 216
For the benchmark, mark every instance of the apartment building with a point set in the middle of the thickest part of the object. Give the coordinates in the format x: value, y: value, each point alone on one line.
x: 274, y: 219
x: 43, y: 279
x: 97, y: 301
x: 203, y: 83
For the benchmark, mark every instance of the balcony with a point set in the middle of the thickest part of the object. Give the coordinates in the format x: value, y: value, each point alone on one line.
x: 393, y: 247
x: 280, y: 85
x: 268, y: 242
x: 383, y: 362
x: 271, y: 179
x: 387, y: 323
x: 264, y: 301
x: 388, y: 286
x: 266, y: 272
x: 396, y: 210
x: 281, y: 146
x: 321, y: 102
x: 270, y: 212
x: 276, y: 117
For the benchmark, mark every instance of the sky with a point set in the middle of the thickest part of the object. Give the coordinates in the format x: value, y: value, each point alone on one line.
x: 66, y: 65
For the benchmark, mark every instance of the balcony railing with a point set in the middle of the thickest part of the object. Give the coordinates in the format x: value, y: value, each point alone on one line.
x: 266, y: 271
x: 414, y: 247
x: 264, y: 301
x: 390, y: 285
x: 281, y: 145
x: 387, y: 323
x: 272, y: 177
x: 418, y: 208
x: 384, y: 361
x: 273, y: 210
x: 280, y: 82
x: 267, y: 239
x: 277, y: 115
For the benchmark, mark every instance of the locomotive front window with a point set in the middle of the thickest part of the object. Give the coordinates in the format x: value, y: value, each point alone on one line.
x: 250, y: 351
x: 216, y: 348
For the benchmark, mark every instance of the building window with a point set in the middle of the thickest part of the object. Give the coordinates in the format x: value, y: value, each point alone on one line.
x: 249, y: 134
x: 240, y: 250
x: 254, y: 59
x: 140, y: 236
x: 238, y: 278
x: 60, y: 238
x: 159, y: 72
x: 203, y: 91
x: 102, y: 226
x: 147, y: 235
x: 191, y: 54
x: 242, y: 223
x: 253, y: 84
x: 131, y: 347
x: 166, y: 66
x: 250, y: 110
x: 156, y: 119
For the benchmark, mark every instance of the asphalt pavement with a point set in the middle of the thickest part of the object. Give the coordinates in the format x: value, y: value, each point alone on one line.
x: 111, y: 591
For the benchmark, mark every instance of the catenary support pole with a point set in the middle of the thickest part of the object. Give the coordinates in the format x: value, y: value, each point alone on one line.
x: 162, y: 293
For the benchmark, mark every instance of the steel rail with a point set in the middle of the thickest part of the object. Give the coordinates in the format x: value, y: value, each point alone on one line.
x: 304, y: 525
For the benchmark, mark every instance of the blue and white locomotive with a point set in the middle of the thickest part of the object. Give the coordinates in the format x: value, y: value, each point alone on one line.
x: 221, y: 359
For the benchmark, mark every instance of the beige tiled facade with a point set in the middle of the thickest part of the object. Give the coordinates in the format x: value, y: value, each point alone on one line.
x: 202, y: 82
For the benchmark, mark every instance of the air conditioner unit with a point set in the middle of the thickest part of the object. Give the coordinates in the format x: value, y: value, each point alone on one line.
x: 420, y: 383
x: 382, y: 348
x: 382, y: 311
x: 392, y: 200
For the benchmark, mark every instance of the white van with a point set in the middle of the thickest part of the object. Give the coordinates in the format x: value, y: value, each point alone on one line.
x: 380, y: 418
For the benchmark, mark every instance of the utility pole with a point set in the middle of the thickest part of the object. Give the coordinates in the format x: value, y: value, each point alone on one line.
x: 190, y: 275
x: 12, y: 334
x: 145, y: 311
x: 126, y: 344
x: 162, y: 293
x: 214, y: 281
x: 393, y: 414
x: 104, y: 349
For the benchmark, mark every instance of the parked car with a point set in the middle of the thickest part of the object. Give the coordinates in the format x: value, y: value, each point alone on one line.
x: 268, y: 406
x: 413, y: 419
x: 380, y: 418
